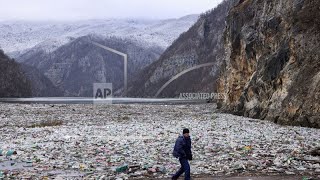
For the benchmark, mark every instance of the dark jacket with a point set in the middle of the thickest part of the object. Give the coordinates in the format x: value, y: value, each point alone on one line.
x: 182, y: 148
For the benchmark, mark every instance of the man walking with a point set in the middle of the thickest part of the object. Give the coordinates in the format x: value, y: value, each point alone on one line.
x: 182, y: 150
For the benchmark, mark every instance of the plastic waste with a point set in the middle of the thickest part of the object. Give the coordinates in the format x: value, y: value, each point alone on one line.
x: 11, y: 152
x: 247, y: 148
x: 122, y: 168
x: 7, y: 153
x: 162, y: 169
x: 28, y: 163
x: 152, y: 170
x: 89, y: 141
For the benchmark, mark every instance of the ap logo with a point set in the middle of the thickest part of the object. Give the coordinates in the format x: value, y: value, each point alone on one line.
x: 102, y: 93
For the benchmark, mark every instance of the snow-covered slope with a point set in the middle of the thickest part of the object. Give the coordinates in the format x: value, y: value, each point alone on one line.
x: 18, y: 36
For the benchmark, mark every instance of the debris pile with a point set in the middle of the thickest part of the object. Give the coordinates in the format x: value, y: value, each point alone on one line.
x: 136, y: 141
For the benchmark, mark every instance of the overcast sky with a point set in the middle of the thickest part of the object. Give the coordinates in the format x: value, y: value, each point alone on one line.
x: 100, y: 9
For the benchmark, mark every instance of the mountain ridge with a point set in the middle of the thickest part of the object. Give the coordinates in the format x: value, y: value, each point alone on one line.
x: 75, y: 66
x: 18, y: 36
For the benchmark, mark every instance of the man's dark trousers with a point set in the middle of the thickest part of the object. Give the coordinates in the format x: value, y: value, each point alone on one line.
x: 185, y: 168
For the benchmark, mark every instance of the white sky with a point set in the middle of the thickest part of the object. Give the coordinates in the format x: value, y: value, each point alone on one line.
x: 100, y: 9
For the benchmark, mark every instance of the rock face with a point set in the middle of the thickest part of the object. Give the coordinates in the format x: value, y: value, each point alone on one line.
x: 13, y: 82
x: 272, y: 67
x: 202, y: 43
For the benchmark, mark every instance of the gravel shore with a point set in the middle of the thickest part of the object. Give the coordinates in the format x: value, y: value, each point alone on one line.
x: 136, y: 141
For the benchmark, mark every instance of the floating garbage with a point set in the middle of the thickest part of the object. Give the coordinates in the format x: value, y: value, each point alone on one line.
x: 7, y: 153
x: 11, y: 152
x: 162, y: 169
x: 122, y: 168
x: 315, y: 151
x: 247, y: 148
x: 126, y: 141
x: 28, y: 163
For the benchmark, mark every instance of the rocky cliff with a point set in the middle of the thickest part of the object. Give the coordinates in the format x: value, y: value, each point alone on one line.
x: 272, y: 67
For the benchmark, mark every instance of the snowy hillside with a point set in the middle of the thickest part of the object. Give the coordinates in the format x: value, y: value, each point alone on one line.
x: 18, y: 36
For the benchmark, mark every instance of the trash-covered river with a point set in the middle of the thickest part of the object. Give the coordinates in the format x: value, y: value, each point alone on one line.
x: 130, y: 141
